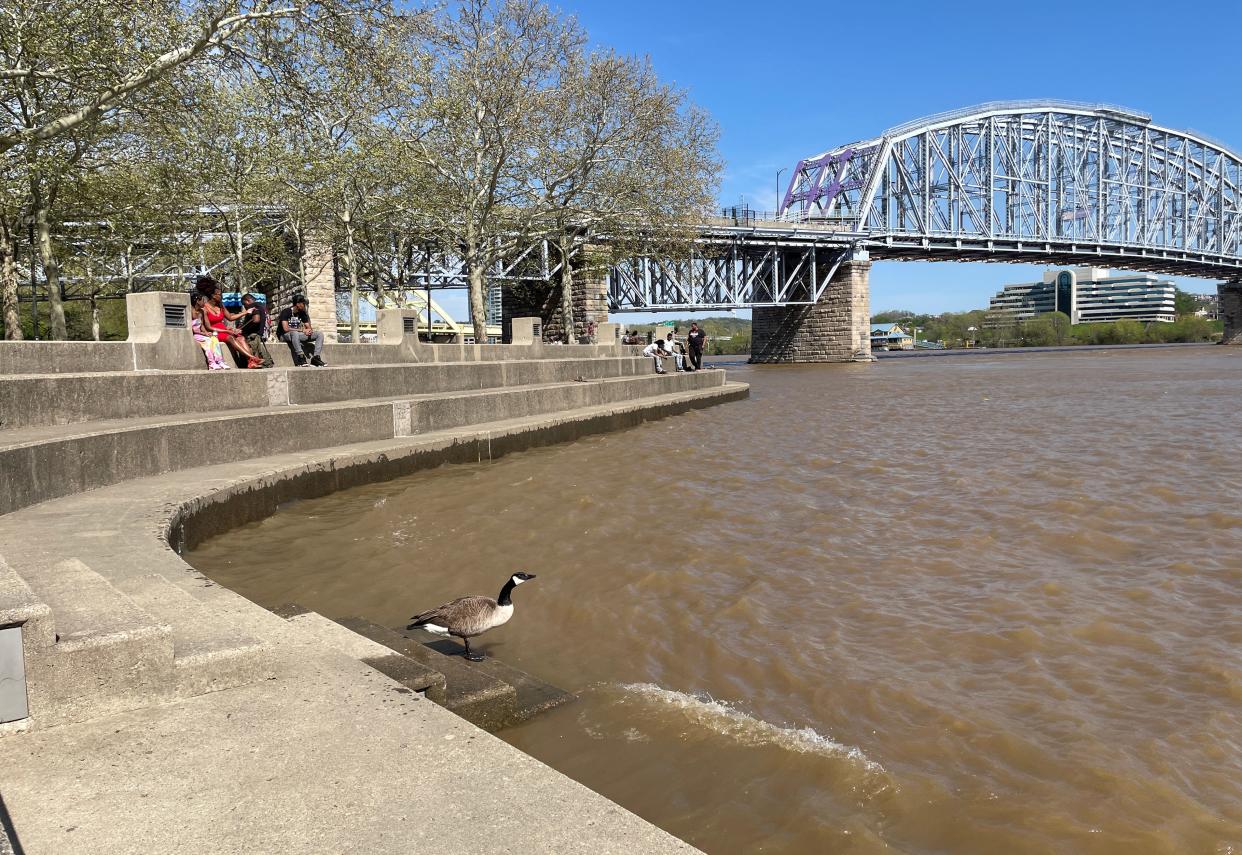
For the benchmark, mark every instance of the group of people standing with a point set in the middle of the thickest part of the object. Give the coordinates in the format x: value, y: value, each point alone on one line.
x: 687, y: 356
x: 246, y: 332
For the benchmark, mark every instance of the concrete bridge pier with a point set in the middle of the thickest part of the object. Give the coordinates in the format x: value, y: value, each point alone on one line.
x: 835, y: 329
x: 1230, y: 294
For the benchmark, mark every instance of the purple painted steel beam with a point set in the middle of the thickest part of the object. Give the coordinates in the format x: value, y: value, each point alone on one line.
x: 831, y: 165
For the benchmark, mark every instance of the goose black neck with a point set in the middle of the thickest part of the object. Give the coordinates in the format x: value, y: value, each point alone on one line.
x: 503, y: 599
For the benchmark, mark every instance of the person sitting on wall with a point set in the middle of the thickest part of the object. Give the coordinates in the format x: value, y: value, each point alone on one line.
x: 254, y: 328
x: 657, y: 352
x: 631, y: 337
x: 673, y: 346
x: 204, y: 335
x: 294, y: 325
x: 217, y: 318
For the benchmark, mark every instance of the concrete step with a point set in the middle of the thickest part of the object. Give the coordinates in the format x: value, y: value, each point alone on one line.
x: 108, y: 655
x: 25, y: 624
x: 48, y: 462
x: 208, y: 653
x: 533, y: 695
x: 475, y: 694
x: 412, y: 674
x: 19, y: 606
x: 32, y: 400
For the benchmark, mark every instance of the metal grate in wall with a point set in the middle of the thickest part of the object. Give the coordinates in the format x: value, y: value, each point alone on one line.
x: 174, y: 315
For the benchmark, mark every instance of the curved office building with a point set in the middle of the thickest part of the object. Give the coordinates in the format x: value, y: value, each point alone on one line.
x: 1090, y: 295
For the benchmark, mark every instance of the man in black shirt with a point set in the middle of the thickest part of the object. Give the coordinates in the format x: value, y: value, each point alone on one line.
x: 294, y: 326
x: 254, y: 328
x: 696, y: 338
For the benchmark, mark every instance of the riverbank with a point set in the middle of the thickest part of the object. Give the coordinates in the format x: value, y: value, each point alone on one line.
x: 170, y: 714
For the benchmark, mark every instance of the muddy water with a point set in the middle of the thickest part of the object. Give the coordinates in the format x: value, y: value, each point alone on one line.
x: 944, y: 605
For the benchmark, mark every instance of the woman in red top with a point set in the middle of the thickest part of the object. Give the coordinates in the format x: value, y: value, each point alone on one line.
x: 217, y: 317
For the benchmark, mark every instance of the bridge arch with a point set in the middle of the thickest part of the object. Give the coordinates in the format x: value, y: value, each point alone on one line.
x: 1037, y: 181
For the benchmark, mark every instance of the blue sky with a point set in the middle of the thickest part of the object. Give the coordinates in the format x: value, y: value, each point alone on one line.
x: 790, y: 79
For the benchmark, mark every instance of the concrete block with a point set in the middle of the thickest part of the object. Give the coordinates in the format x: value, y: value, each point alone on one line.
x: 398, y: 328
x: 159, y: 331
x: 527, y: 331
x: 608, y: 335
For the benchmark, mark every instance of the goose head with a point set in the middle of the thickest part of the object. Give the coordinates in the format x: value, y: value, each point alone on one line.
x: 519, y: 578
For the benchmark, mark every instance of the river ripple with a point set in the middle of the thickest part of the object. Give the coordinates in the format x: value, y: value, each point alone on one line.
x: 967, y: 605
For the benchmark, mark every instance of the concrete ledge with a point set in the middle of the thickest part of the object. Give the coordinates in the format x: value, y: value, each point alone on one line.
x: 58, y: 399
x: 45, y: 463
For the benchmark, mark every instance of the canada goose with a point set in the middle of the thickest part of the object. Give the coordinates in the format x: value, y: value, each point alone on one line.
x: 466, y: 617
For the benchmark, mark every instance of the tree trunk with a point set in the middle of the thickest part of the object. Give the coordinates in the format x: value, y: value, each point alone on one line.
x: 567, y: 294
x: 300, y: 240
x: 8, y: 281
x: 381, y: 294
x: 95, y: 317
x: 47, y: 258
x: 478, y: 309
x: 129, y: 268
x: 351, y: 267
x: 239, y: 256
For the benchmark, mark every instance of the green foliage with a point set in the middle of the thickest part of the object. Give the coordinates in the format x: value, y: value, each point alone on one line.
x: 1185, y: 303
x: 112, y: 321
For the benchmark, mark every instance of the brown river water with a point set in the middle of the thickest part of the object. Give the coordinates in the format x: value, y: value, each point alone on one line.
x: 987, y: 604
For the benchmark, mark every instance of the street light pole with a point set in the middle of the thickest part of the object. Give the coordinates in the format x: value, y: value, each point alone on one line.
x: 778, y: 188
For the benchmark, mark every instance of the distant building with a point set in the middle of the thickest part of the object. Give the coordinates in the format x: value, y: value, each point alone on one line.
x: 890, y: 337
x: 1088, y: 295
x: 492, y: 303
x: 1207, y: 306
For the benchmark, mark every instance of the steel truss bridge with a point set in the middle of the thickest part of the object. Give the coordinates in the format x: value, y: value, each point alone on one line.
x: 1046, y: 182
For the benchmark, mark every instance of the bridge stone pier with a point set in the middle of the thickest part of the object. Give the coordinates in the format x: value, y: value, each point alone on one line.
x: 837, y: 328
x: 1230, y: 294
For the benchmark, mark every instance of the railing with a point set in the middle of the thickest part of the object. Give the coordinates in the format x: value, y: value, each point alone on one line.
x: 1022, y: 106
x: 743, y: 215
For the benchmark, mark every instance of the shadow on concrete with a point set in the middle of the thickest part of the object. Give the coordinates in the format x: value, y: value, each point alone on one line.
x: 9, y: 844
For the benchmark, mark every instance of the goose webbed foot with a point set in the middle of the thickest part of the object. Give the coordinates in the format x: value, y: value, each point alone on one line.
x: 470, y: 654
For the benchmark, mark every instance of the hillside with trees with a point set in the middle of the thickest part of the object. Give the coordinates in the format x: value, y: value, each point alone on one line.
x: 979, y: 327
